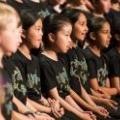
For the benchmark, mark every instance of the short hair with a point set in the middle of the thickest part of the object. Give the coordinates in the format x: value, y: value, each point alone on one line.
x: 73, y: 14
x: 96, y: 24
x: 6, y: 14
x: 29, y: 17
x: 52, y: 24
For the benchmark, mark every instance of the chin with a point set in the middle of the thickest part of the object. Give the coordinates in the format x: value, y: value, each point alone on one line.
x: 9, y: 54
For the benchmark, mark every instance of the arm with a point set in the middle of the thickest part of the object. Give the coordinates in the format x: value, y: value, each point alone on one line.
x: 97, y: 89
x: 86, y: 97
x: 38, y: 106
x: 21, y: 107
x: 54, y: 93
x: 87, y: 106
x: 115, y: 82
x: 108, y: 102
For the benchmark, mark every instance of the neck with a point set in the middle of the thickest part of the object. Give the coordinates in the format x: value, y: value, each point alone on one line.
x: 1, y: 57
x: 51, y: 54
x: 95, y: 50
x: 25, y: 50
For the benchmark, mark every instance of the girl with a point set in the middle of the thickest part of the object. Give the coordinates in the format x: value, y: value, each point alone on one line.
x: 99, y: 38
x: 10, y: 38
x: 28, y: 64
x: 55, y: 82
x: 114, y: 56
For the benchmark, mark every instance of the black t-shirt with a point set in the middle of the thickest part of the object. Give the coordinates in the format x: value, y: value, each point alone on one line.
x: 18, y: 84
x: 77, y: 68
x: 114, y: 62
x: 7, y: 106
x: 97, y: 66
x: 27, y: 4
x: 31, y: 74
x: 53, y: 74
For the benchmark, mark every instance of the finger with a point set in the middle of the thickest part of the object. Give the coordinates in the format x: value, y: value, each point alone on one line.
x: 112, y: 106
x: 114, y: 102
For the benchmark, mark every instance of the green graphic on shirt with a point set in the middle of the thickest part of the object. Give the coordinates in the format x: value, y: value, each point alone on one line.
x: 102, y: 74
x: 33, y: 82
x: 79, y: 70
x: 18, y: 81
x: 63, y: 81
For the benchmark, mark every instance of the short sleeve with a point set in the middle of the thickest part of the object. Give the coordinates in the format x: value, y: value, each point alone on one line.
x: 48, y: 80
x: 114, y: 67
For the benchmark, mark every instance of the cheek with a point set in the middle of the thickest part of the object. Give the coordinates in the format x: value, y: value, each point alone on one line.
x: 10, y: 44
x: 61, y: 43
x: 34, y: 40
x: 78, y: 33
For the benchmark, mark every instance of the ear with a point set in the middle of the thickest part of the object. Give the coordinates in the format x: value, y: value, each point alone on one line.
x: 51, y: 37
x: 117, y: 37
x: 92, y: 36
x: 23, y: 34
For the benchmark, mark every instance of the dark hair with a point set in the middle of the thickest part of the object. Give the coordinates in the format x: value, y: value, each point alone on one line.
x: 95, y: 24
x: 52, y: 24
x: 115, y: 25
x: 72, y: 14
x: 28, y: 18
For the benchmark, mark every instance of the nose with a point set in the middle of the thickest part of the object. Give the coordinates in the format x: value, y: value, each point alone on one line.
x: 41, y: 32
x: 69, y: 40
x: 86, y: 28
x: 109, y: 35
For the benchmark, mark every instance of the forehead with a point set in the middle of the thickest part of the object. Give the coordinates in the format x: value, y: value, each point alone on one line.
x: 82, y: 17
x: 9, y: 22
x: 105, y: 26
x: 38, y: 23
x: 67, y: 27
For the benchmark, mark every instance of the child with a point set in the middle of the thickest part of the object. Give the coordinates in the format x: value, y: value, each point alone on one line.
x: 115, y: 5
x: 55, y: 82
x: 10, y: 38
x: 114, y: 56
x: 99, y: 38
x: 28, y: 64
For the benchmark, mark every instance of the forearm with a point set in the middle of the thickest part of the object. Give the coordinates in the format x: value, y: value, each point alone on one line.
x: 39, y: 107
x: 72, y: 102
x: 21, y: 107
x: 81, y: 101
x: 18, y: 116
x: 96, y: 99
x: 64, y: 104
x: 87, y: 98
x: 69, y: 108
